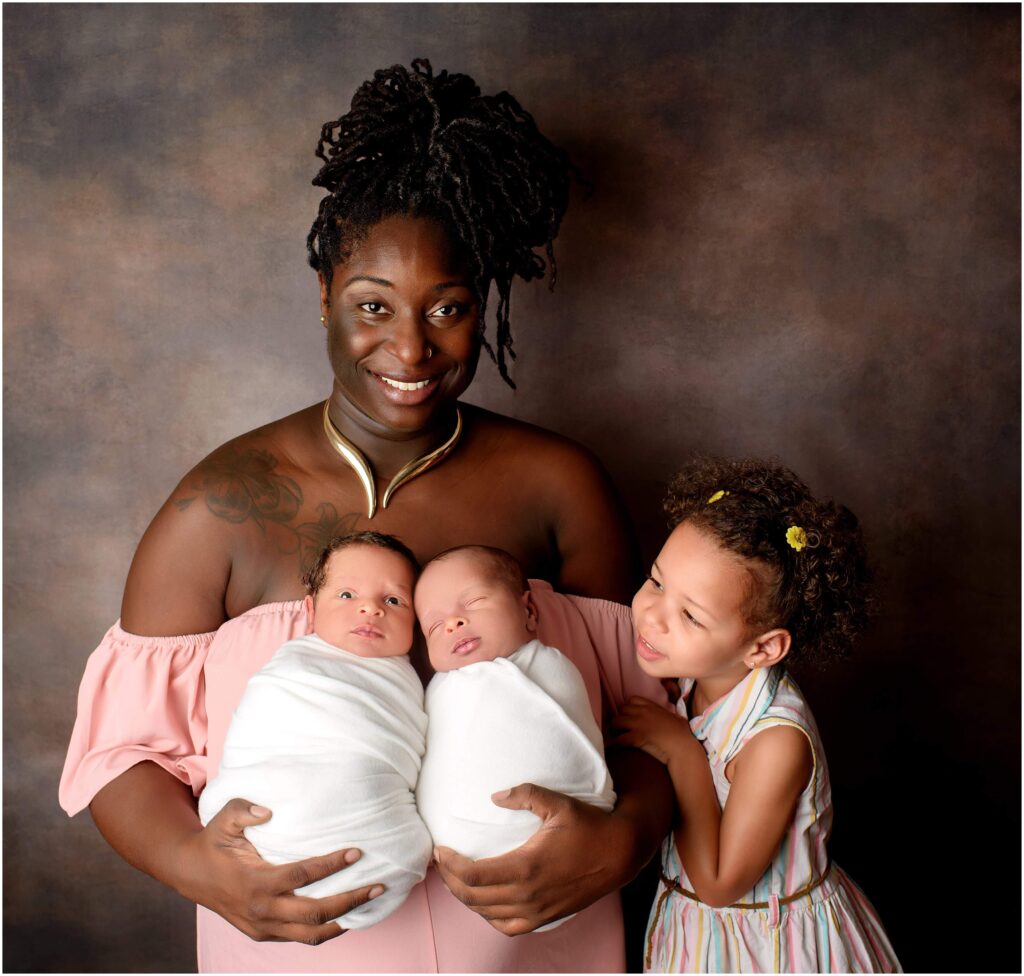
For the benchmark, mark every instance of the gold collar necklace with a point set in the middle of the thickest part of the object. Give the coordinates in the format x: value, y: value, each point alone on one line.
x: 355, y: 460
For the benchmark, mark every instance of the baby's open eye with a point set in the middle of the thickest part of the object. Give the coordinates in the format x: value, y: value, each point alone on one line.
x: 393, y: 601
x: 345, y: 595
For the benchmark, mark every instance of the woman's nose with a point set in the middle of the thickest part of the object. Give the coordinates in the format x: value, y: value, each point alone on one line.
x: 409, y: 340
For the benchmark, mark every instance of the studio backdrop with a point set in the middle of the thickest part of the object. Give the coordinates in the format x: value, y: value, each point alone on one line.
x: 801, y: 240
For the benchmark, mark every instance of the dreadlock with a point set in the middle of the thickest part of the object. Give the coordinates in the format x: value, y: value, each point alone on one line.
x: 432, y: 146
x: 821, y: 592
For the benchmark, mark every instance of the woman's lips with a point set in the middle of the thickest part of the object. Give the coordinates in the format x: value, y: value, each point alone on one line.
x: 406, y: 390
x: 645, y: 650
x: 466, y: 645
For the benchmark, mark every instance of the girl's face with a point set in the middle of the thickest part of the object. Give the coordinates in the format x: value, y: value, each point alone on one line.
x: 691, y: 614
x: 401, y: 320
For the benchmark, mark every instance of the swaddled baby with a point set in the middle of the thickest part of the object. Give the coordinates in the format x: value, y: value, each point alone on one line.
x: 330, y: 733
x: 503, y: 709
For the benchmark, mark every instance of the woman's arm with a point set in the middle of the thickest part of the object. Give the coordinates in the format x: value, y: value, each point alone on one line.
x: 150, y: 819
x: 724, y: 852
x: 177, y: 585
x: 578, y: 855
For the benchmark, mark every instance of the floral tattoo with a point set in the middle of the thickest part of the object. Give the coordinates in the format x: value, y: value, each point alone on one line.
x: 244, y: 485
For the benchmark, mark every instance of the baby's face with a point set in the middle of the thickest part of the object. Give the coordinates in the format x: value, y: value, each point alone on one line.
x: 467, y: 615
x: 365, y: 604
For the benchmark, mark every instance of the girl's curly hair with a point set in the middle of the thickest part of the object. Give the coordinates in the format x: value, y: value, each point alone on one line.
x: 426, y: 145
x: 821, y: 593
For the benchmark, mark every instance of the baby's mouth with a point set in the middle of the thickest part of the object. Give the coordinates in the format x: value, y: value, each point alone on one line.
x: 365, y: 630
x: 465, y: 645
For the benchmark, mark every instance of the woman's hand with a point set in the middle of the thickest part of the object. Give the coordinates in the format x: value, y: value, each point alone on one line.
x: 226, y: 874
x: 579, y: 854
x: 648, y: 726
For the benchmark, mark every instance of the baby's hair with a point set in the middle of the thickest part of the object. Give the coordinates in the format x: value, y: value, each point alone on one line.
x: 313, y: 578
x: 503, y: 567
x: 819, y: 593
x: 425, y: 145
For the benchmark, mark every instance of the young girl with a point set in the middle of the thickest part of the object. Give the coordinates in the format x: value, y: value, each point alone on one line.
x: 755, y: 571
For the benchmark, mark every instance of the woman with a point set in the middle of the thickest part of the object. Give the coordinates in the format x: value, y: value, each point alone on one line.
x: 434, y: 193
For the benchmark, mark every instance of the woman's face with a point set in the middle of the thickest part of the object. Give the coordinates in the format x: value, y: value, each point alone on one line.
x: 402, y: 324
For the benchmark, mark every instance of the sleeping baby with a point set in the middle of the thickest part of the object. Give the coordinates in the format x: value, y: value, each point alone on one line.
x: 503, y: 709
x: 330, y: 733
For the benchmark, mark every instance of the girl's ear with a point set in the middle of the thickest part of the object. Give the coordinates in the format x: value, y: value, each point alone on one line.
x: 531, y: 611
x: 768, y: 649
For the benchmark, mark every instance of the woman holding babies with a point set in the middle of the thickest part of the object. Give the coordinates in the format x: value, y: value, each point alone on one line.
x: 434, y: 193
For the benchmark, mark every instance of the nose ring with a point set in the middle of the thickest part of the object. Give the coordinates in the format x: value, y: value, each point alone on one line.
x: 430, y: 351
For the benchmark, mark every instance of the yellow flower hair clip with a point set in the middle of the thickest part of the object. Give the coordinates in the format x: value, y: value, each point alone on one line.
x: 796, y: 537
x: 718, y: 494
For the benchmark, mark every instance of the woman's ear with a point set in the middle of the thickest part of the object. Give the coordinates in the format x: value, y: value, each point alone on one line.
x: 531, y: 611
x: 325, y: 296
x: 768, y: 649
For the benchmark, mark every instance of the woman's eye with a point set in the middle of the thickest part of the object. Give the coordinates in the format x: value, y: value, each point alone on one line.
x: 448, y: 311
x: 374, y: 308
x: 653, y: 582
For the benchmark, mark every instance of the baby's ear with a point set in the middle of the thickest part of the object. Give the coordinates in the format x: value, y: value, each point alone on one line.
x: 768, y: 649
x: 308, y: 603
x: 531, y: 611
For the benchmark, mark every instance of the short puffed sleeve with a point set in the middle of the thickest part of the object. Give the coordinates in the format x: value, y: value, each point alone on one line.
x: 597, y: 636
x: 141, y: 698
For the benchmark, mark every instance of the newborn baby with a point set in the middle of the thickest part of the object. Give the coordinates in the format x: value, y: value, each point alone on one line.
x: 504, y: 708
x: 330, y: 733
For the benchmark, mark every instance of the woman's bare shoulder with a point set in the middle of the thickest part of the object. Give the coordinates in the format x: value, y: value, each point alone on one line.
x: 231, y: 502
x: 596, y: 547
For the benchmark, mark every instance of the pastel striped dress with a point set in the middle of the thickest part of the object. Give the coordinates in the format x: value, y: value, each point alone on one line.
x: 804, y: 914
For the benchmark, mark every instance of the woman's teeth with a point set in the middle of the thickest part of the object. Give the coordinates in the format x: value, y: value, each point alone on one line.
x: 398, y: 385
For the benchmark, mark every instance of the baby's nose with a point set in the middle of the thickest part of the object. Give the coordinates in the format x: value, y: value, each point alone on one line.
x: 371, y: 606
x: 454, y: 623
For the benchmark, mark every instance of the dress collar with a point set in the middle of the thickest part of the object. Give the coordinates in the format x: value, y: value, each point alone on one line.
x: 725, y: 723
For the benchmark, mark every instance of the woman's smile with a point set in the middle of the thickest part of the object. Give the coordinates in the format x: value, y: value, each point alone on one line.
x: 403, y: 323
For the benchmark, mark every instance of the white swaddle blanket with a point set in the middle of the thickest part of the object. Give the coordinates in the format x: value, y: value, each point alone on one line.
x: 331, y: 742
x: 495, y: 724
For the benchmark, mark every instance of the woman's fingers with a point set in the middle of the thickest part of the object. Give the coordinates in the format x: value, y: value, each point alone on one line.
x: 287, y: 877
x: 314, y: 913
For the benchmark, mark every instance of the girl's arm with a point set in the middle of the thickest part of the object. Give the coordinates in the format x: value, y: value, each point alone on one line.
x: 724, y: 852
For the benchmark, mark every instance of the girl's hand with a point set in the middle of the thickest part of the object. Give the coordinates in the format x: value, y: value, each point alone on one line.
x: 648, y: 726
x: 226, y: 874
x: 579, y: 854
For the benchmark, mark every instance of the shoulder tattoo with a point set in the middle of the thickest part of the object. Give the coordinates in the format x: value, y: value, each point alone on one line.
x: 242, y: 485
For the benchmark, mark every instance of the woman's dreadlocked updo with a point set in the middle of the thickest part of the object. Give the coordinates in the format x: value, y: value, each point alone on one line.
x: 821, y: 593
x: 433, y: 146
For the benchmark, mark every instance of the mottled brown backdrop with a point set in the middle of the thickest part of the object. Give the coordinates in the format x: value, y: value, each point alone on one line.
x: 803, y: 240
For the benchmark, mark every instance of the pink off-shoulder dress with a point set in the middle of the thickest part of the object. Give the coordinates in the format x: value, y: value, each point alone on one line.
x: 169, y: 700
